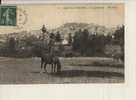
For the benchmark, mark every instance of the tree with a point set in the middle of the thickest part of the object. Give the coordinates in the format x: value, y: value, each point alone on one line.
x: 80, y: 41
x: 84, y: 41
x: 76, y: 41
x: 70, y: 39
x: 88, y: 45
x: 58, y: 37
x: 11, y: 44
x: 29, y: 40
x: 119, y: 37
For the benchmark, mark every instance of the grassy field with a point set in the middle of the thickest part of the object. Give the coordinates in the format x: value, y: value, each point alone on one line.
x: 74, y: 70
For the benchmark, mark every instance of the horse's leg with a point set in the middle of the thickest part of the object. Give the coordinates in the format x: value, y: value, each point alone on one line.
x: 45, y: 67
x: 41, y: 66
x: 41, y: 63
x: 52, y: 68
x: 58, y: 66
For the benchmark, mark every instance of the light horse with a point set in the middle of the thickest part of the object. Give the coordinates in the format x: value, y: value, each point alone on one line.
x: 48, y: 58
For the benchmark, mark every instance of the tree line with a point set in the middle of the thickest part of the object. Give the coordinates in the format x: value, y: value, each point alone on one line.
x: 94, y: 44
x: 83, y: 42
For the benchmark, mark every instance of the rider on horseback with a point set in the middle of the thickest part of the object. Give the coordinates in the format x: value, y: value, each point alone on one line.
x: 49, y: 57
x: 51, y: 43
x: 48, y: 40
x: 44, y: 38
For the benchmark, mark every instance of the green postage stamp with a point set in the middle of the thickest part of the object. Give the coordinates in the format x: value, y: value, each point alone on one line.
x: 7, y: 15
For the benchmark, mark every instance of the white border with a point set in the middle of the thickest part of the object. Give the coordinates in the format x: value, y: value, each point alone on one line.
x: 86, y: 91
x: 58, y: 1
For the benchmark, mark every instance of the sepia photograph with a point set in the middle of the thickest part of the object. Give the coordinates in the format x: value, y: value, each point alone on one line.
x: 62, y: 43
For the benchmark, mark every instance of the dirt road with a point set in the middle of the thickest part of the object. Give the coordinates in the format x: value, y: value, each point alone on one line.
x: 26, y: 71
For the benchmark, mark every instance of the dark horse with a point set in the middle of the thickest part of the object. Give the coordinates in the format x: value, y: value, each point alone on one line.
x: 47, y: 58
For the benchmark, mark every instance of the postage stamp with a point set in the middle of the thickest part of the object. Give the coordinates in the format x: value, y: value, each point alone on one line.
x: 8, y: 15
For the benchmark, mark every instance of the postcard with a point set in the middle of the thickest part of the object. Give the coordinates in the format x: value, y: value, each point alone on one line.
x: 62, y: 43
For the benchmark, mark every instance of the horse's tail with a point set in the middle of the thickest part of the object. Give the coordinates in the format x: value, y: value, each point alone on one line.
x: 58, y: 66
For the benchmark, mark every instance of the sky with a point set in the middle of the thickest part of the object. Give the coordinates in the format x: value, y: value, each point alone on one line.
x: 32, y: 17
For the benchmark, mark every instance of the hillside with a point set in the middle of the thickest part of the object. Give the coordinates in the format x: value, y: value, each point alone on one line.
x: 92, y: 28
x: 65, y: 29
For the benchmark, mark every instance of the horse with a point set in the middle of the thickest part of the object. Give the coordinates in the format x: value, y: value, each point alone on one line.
x: 47, y: 56
x: 51, y: 60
